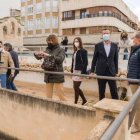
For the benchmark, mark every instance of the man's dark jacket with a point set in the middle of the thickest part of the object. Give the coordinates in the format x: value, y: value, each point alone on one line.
x: 100, y: 60
x: 14, y: 56
x: 134, y: 64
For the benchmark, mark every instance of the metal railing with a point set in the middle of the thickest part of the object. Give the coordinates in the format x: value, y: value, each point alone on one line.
x: 72, y: 74
x: 110, y: 132
x: 117, y: 122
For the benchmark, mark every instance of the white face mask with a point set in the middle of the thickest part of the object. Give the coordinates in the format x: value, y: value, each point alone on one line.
x: 1, y: 49
x: 76, y: 44
x: 106, y: 37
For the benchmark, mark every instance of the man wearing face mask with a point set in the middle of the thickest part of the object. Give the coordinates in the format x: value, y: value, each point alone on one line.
x: 105, y: 63
x: 5, y: 60
x: 134, y: 73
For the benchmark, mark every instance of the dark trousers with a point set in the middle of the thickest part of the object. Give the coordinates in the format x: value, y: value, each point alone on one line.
x: 10, y: 83
x: 112, y: 85
x: 78, y: 92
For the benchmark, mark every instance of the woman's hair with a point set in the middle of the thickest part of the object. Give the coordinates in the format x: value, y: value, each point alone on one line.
x: 80, y: 43
x: 53, y: 38
x: 124, y: 34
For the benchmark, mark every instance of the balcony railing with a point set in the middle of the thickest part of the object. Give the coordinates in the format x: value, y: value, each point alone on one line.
x: 115, y: 15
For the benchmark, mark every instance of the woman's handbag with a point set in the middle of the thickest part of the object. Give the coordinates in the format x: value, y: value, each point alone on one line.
x: 49, y: 64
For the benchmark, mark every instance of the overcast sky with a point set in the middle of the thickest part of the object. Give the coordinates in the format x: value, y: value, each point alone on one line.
x: 7, y: 4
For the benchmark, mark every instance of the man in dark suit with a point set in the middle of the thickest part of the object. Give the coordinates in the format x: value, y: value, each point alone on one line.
x: 105, y: 63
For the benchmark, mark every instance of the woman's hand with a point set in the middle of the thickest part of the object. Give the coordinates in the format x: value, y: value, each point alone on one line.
x: 42, y: 54
x: 45, y: 54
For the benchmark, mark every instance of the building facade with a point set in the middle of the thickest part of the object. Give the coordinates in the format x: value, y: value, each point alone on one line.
x: 11, y: 31
x: 85, y: 18
x: 15, y: 13
x: 80, y: 17
x: 40, y: 17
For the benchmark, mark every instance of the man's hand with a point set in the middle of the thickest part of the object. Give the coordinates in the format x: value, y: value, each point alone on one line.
x: 93, y: 74
x: 123, y: 76
x: 117, y: 75
x: 11, y: 75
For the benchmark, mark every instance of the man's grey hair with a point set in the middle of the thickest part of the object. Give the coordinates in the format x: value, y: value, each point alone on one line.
x: 137, y: 35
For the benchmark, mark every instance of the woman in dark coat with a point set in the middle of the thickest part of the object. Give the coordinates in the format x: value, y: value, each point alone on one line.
x: 79, y: 66
x: 53, y: 81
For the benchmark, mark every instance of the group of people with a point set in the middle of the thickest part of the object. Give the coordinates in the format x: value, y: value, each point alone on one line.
x: 8, y: 58
x: 79, y: 66
x: 104, y: 63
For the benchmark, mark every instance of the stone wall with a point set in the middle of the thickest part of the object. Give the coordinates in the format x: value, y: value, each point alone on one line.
x: 30, y: 118
x: 13, y: 32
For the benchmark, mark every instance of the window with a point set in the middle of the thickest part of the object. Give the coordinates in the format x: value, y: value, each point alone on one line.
x: 23, y: 11
x: 69, y: 31
x: 47, y: 6
x: 39, y: 23
x: 55, y: 22
x: 30, y: 25
x: 82, y: 30
x: 100, y: 13
x: 12, y: 28
x: 83, y: 13
x: 105, y: 13
x: 30, y: 10
x: 47, y: 22
x: 5, y: 31
x: 68, y: 15
x: 19, y: 32
x: 55, y: 5
x: 110, y: 13
x: 38, y: 7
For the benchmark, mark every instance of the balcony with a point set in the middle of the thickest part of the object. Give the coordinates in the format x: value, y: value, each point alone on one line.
x: 102, y: 17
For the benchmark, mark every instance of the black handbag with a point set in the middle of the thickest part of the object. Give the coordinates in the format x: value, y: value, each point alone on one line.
x: 49, y: 64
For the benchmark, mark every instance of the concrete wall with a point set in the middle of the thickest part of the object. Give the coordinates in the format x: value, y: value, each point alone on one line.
x: 94, y: 38
x: 29, y: 118
x: 96, y: 21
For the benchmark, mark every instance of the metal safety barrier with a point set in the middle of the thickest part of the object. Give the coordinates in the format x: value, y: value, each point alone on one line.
x: 110, y: 132
x: 129, y: 108
x: 81, y: 75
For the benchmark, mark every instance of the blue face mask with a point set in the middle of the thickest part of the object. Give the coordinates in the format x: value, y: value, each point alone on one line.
x: 106, y: 37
